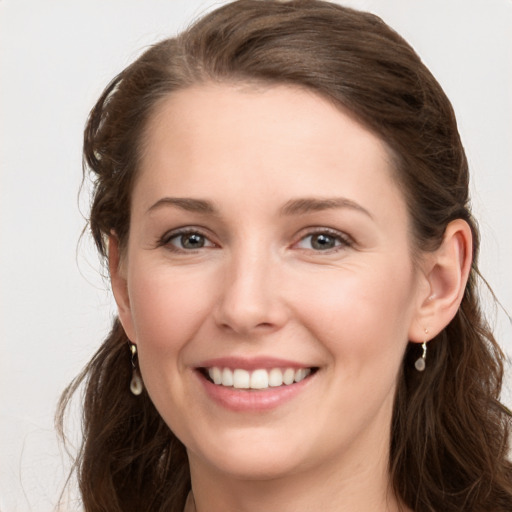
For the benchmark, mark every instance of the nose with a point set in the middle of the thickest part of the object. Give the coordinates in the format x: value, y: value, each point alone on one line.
x: 251, y: 301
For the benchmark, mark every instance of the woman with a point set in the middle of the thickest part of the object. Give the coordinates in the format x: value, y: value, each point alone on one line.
x: 282, y: 197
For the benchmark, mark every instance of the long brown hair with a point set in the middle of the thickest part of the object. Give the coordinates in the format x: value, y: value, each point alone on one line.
x: 450, y: 433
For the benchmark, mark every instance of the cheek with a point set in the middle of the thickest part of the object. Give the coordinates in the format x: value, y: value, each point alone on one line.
x: 168, y: 307
x: 361, y: 314
x: 361, y: 319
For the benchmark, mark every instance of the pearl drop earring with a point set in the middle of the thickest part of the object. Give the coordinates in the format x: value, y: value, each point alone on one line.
x: 136, y: 385
x: 420, y: 363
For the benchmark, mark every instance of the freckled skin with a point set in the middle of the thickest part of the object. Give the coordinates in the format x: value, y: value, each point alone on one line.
x: 260, y: 286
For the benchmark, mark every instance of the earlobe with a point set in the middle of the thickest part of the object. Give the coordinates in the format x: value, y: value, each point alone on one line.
x: 447, y: 270
x: 120, y: 286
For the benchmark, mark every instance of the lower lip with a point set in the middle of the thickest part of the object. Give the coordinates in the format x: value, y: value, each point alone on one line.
x: 244, y: 400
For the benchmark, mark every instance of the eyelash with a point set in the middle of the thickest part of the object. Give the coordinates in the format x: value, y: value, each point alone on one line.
x: 165, y: 240
x: 342, y: 240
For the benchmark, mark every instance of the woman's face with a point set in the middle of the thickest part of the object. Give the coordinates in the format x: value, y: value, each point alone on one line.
x: 268, y: 242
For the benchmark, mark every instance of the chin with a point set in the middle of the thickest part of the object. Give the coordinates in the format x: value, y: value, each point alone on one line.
x: 257, y: 467
x: 253, y: 458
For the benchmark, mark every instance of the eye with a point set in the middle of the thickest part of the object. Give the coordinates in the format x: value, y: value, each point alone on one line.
x: 323, y: 241
x: 186, y: 241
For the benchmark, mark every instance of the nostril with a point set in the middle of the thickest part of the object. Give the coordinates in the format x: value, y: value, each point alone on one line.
x: 246, y: 328
x: 265, y: 325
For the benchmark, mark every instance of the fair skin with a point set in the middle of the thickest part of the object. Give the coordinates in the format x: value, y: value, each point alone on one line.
x: 267, y: 232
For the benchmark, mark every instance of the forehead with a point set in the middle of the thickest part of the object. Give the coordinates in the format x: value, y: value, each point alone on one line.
x: 261, y: 138
x: 231, y: 106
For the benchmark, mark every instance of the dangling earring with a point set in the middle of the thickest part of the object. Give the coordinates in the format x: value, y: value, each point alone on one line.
x: 136, y: 385
x: 420, y: 363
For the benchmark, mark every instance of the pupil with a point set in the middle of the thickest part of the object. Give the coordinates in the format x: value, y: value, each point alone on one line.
x: 193, y: 241
x: 322, y: 242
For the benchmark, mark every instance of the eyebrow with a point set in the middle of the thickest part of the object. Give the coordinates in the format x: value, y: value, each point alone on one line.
x: 186, y: 203
x: 314, y: 204
x: 293, y: 207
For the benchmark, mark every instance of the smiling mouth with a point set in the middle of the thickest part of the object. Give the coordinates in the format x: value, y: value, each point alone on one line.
x: 257, y: 379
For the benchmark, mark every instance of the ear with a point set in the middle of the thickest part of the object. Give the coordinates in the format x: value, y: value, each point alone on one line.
x: 446, y: 271
x: 120, y: 286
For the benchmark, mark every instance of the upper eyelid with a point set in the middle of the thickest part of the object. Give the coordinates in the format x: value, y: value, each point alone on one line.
x: 319, y: 230
x: 168, y: 235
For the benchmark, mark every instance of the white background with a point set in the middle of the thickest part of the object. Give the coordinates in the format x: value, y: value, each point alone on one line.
x: 55, y: 58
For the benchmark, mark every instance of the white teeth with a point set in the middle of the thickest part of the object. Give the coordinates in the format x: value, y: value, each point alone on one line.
x: 227, y: 377
x: 275, y: 377
x: 288, y: 376
x: 241, y: 379
x: 258, y: 379
x: 301, y: 374
x: 215, y: 375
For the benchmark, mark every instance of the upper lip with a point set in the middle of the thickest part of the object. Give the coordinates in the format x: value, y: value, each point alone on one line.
x: 253, y: 363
